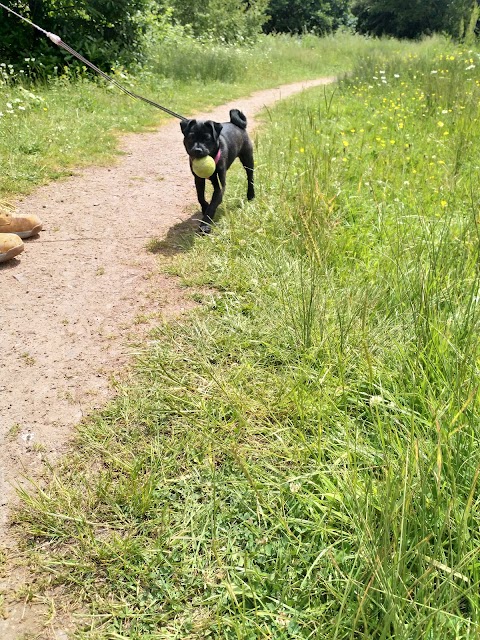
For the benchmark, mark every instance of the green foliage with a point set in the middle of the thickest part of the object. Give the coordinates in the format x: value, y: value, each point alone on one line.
x: 117, y: 32
x: 300, y: 16
x: 400, y: 18
x: 107, y: 32
x: 414, y: 18
x: 230, y: 21
x: 464, y: 16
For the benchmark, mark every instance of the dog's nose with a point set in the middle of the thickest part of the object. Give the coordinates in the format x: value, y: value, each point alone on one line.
x: 197, y: 152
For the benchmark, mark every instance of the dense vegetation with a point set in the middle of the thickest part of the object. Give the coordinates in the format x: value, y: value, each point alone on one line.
x: 315, y: 16
x: 118, y: 32
x: 413, y: 18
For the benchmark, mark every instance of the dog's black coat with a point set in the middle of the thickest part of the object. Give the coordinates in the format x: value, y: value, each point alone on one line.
x: 202, y: 138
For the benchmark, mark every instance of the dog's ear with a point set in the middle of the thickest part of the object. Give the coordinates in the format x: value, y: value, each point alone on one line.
x: 216, y: 127
x: 186, y: 125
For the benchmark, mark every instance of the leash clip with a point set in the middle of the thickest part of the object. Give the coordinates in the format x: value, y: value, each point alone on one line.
x: 55, y: 39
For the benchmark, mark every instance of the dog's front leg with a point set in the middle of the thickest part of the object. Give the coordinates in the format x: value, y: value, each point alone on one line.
x: 217, y: 197
x: 200, y: 186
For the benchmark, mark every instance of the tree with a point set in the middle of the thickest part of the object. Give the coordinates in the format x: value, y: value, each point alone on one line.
x: 462, y: 19
x: 226, y: 20
x: 405, y: 18
x: 299, y: 16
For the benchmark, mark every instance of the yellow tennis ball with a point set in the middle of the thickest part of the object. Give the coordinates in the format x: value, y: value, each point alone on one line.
x: 204, y: 167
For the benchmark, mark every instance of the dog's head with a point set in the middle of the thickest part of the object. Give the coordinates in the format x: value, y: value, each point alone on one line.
x: 201, y: 137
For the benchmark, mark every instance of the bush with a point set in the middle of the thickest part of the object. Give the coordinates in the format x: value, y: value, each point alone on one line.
x: 108, y: 32
x: 314, y: 16
x: 226, y: 20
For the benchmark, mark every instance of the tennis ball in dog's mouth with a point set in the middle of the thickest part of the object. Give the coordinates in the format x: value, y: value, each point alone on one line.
x: 203, y: 167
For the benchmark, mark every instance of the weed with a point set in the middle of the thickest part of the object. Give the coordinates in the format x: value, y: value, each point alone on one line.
x: 28, y: 359
x: 14, y: 431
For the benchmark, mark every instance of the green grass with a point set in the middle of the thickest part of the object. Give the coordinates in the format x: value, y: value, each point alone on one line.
x: 49, y: 129
x: 299, y: 459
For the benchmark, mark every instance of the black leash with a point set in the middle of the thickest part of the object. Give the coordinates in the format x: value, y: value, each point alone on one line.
x: 58, y: 41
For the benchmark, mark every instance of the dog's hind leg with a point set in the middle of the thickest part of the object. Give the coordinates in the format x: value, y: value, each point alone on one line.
x: 246, y: 158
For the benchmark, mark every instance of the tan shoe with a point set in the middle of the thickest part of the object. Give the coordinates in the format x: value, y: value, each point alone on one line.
x: 10, y: 246
x: 22, y: 225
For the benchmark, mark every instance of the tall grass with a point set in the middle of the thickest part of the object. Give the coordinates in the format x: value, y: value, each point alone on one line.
x: 300, y: 459
x: 271, y: 60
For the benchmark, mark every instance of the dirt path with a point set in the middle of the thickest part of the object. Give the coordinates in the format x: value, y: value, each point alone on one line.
x: 72, y: 298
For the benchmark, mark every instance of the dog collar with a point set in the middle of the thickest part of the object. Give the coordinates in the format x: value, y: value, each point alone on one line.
x: 218, y: 156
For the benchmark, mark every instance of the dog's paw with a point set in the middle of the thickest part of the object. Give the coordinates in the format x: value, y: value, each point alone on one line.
x: 250, y: 195
x: 204, y: 228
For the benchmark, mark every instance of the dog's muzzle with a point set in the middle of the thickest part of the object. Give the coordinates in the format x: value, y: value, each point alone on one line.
x: 198, y: 152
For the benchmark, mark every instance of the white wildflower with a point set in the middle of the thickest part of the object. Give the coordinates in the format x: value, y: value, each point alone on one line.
x: 376, y: 400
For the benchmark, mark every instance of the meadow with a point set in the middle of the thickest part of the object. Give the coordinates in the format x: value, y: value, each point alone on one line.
x: 299, y: 458
x: 52, y: 123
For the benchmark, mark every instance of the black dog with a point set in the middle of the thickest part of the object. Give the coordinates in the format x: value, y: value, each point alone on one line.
x: 224, y: 142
